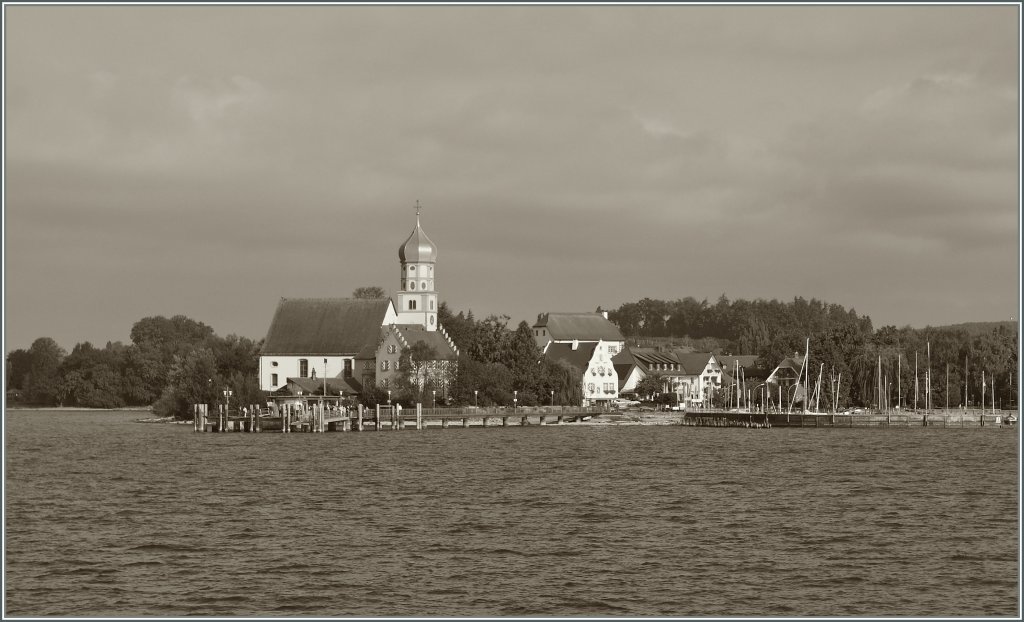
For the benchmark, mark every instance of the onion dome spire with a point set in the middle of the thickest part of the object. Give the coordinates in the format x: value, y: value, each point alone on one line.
x: 417, y: 248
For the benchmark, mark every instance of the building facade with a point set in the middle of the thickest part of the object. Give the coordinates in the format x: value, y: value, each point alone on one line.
x: 358, y: 342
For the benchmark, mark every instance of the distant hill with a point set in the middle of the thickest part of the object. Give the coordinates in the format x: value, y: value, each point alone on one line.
x: 979, y: 328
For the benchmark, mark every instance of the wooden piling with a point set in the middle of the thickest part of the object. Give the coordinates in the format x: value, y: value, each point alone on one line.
x: 525, y: 421
x: 444, y: 423
x: 465, y: 422
x: 487, y: 420
x: 542, y: 420
x: 376, y: 417
x: 419, y: 416
x: 504, y: 422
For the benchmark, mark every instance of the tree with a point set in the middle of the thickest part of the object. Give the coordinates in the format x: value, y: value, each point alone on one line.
x: 18, y: 363
x: 42, y: 382
x: 192, y: 379
x: 369, y: 293
x: 418, y: 368
x: 651, y: 384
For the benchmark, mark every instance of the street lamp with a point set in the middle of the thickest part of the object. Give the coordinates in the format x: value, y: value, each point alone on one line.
x: 552, y: 398
x: 755, y: 393
x: 433, y: 398
x: 476, y: 402
x: 389, y: 398
x: 515, y: 400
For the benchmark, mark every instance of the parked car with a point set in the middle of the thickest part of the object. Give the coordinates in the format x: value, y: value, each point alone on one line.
x: 624, y: 403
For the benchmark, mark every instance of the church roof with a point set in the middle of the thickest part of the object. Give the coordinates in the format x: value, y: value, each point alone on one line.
x: 413, y: 333
x: 581, y: 326
x: 418, y: 247
x: 324, y: 325
x: 579, y: 358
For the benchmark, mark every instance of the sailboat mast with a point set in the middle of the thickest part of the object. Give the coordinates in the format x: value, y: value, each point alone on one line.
x: 915, y: 382
x: 899, y: 373
x: 928, y: 397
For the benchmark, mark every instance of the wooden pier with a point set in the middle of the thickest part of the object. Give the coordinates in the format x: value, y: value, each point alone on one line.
x: 939, y: 419
x: 316, y: 418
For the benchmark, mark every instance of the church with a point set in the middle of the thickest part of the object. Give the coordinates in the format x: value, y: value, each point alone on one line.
x: 342, y: 345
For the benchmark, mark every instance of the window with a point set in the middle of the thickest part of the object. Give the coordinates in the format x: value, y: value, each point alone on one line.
x: 392, y: 349
x: 273, y: 380
x: 431, y: 320
x: 303, y: 368
x: 412, y: 284
x: 431, y: 304
x: 423, y: 285
x: 273, y: 363
x: 385, y: 365
x: 412, y: 305
x: 412, y: 269
x: 613, y: 349
x: 348, y: 368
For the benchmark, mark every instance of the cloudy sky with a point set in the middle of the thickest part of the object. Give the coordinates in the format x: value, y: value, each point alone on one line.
x: 207, y: 161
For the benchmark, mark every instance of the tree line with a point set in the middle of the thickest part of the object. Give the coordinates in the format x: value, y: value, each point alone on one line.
x: 169, y: 364
x: 174, y: 362
x: 845, y: 349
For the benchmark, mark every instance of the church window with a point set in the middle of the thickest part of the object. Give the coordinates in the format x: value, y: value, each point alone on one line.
x: 431, y: 320
x: 431, y: 304
x: 412, y: 269
x: 412, y: 284
x: 273, y: 380
x: 303, y: 368
x: 423, y: 285
x: 412, y: 305
x: 348, y: 368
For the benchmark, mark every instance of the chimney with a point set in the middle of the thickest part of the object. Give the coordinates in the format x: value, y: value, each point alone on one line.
x: 605, y: 314
x: 575, y: 344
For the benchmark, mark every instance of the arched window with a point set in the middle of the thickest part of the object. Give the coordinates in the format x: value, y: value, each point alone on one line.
x: 412, y: 305
x: 303, y: 368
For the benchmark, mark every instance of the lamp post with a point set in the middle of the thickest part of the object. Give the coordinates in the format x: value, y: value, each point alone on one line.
x: 552, y: 398
x: 476, y: 402
x: 389, y: 398
x: 227, y: 408
x: 515, y: 401
x: 755, y: 393
x: 433, y: 398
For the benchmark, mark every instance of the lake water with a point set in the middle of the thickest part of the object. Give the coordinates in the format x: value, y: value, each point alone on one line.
x: 108, y: 517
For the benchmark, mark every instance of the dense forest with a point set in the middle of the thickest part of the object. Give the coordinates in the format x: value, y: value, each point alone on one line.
x: 173, y: 362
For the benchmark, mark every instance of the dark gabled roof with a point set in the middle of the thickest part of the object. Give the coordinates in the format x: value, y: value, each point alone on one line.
x: 582, y: 326
x: 624, y: 362
x: 694, y: 362
x: 413, y: 333
x: 315, y: 386
x: 324, y: 325
x: 746, y: 361
x: 579, y: 358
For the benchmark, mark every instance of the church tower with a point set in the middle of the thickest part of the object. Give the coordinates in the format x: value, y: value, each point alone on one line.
x: 416, y: 300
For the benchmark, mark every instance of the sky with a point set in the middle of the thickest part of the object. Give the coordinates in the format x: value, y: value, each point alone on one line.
x: 209, y: 160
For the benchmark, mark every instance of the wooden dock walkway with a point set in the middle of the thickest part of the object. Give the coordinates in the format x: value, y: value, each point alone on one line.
x: 939, y: 418
x: 315, y: 419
